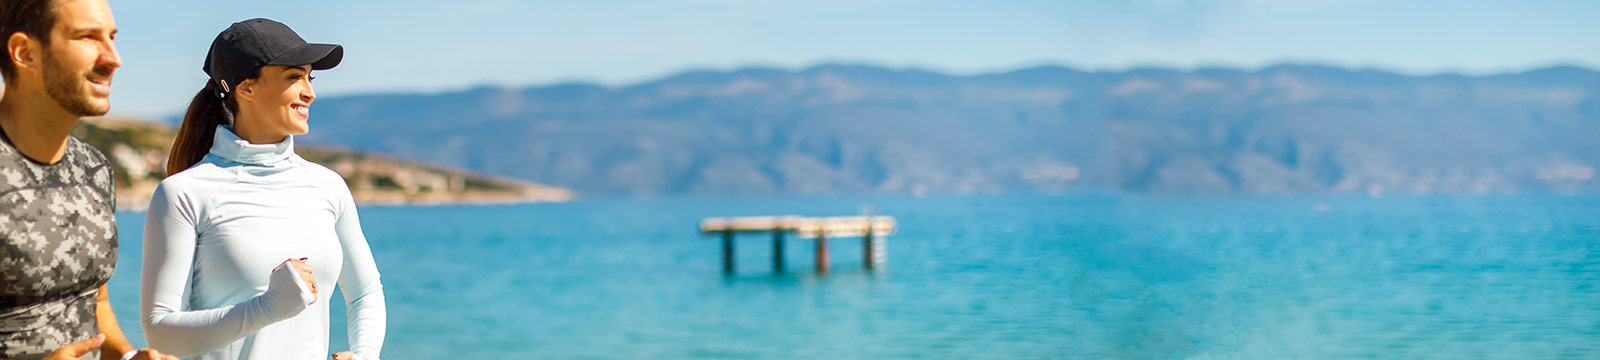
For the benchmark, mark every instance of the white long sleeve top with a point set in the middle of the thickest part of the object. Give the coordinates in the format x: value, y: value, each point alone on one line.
x: 213, y: 236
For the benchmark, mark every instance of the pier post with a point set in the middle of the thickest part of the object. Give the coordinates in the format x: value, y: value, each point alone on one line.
x: 822, y: 251
x: 880, y: 250
x: 777, y: 250
x: 727, y: 251
x: 866, y: 250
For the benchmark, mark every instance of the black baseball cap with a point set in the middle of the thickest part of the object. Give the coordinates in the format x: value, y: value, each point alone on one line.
x: 239, y: 52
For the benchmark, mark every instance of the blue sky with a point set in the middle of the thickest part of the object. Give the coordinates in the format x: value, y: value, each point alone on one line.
x: 433, y: 46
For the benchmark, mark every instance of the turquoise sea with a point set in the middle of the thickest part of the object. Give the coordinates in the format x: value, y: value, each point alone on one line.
x: 1006, y: 277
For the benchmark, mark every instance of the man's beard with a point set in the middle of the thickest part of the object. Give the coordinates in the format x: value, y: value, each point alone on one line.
x: 67, y: 88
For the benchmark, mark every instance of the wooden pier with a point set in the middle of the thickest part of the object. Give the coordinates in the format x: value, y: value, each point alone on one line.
x: 873, y: 231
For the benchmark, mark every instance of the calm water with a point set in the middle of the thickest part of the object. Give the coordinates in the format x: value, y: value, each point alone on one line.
x: 990, y: 277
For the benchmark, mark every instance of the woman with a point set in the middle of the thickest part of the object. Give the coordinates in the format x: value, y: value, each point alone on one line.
x: 243, y: 236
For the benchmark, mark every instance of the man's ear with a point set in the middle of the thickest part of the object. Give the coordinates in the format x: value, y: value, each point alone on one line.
x: 23, y: 51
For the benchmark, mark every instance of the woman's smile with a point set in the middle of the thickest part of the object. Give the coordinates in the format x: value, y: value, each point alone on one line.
x: 303, y: 109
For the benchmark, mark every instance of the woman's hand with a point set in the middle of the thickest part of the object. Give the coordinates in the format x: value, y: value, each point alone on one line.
x: 290, y: 289
x: 151, y: 354
x: 304, y: 269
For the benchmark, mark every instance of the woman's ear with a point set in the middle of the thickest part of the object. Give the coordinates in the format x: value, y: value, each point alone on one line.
x: 245, y: 90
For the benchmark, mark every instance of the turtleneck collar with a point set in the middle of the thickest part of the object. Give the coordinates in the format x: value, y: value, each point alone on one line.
x: 232, y: 148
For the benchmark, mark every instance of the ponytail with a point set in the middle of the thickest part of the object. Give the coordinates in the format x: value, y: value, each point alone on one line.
x: 208, y: 110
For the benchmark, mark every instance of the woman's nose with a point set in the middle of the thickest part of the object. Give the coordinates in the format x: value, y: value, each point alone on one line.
x: 308, y: 94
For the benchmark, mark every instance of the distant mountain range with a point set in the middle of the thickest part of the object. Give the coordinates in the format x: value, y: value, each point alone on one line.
x: 840, y: 129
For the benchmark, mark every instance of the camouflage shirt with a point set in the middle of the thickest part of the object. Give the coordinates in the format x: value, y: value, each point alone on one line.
x: 58, y: 244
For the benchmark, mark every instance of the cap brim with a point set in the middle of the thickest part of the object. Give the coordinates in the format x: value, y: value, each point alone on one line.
x: 319, y: 56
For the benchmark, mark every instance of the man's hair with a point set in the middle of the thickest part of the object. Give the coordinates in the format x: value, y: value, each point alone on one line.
x: 32, y: 17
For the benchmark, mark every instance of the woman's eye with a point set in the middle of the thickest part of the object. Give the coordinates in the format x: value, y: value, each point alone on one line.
x: 311, y: 78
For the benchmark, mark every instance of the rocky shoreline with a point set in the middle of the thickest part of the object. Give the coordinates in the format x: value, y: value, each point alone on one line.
x: 138, y: 153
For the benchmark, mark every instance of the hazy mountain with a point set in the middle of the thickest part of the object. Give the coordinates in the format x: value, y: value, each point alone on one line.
x: 838, y: 129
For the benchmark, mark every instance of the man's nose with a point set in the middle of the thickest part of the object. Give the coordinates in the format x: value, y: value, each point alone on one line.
x: 109, y: 56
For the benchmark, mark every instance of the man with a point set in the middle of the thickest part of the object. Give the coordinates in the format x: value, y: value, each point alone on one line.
x: 58, y: 238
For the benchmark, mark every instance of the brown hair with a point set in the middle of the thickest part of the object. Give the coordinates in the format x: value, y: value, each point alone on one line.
x: 210, y: 108
x: 32, y: 17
